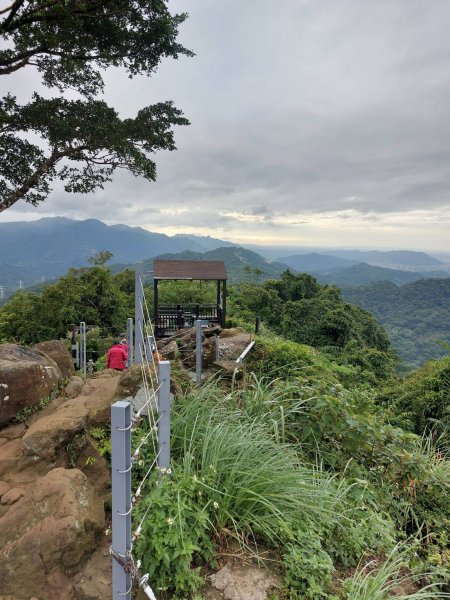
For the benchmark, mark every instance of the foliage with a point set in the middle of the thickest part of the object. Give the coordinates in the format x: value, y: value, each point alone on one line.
x: 102, y: 439
x: 85, y: 294
x: 416, y: 315
x: 174, y: 541
x: 420, y: 401
x: 299, y: 309
x: 26, y: 412
x: 81, y: 141
x: 380, y: 582
x: 75, y: 447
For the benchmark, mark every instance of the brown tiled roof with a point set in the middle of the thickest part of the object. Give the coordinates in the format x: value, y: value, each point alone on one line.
x: 189, y: 269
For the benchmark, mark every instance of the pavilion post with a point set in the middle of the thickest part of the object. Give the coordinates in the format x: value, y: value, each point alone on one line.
x: 224, y: 302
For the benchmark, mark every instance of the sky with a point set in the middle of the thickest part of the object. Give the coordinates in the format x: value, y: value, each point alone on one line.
x: 313, y: 123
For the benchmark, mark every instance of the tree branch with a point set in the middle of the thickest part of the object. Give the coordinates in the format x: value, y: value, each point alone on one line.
x: 40, y: 172
x: 14, y: 8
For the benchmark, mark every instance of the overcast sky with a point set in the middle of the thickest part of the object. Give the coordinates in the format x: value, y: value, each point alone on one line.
x: 313, y: 122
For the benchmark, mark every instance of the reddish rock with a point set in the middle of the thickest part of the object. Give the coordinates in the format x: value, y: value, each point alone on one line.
x: 26, y: 377
x: 48, y: 534
x: 58, y: 352
x: 12, y: 496
x: 4, y: 487
x: 13, y: 432
x: 74, y: 387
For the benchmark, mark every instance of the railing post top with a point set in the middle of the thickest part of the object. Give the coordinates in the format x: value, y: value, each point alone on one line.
x: 120, y: 404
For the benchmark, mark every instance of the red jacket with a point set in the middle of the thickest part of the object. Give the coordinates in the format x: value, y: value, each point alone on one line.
x: 116, y: 357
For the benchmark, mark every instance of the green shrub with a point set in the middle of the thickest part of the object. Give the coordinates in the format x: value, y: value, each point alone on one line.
x: 174, y: 539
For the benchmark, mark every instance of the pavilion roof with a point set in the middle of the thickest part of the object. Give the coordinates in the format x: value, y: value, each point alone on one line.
x: 190, y: 269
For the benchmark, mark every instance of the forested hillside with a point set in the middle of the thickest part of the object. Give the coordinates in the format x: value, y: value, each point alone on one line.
x: 416, y: 315
x: 319, y: 452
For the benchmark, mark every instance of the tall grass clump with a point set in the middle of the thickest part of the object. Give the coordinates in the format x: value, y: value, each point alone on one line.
x: 375, y: 582
x: 256, y: 486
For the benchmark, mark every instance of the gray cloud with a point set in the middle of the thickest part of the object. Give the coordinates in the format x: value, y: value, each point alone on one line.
x: 301, y: 108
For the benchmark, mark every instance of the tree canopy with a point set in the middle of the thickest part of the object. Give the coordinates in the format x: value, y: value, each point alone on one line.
x: 81, y: 141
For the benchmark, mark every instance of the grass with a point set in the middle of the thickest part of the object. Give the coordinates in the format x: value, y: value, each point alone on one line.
x: 373, y: 582
x: 258, y: 485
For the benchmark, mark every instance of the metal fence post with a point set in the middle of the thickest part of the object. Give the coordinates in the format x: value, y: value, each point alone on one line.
x: 83, y: 347
x: 217, y: 347
x: 121, y: 495
x: 198, y: 351
x: 164, y: 414
x: 130, y: 342
x: 139, y: 312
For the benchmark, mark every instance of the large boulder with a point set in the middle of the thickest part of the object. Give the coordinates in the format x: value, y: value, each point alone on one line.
x: 47, y: 534
x: 27, y: 376
x: 60, y: 354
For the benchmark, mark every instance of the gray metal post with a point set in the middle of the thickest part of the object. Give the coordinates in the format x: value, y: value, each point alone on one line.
x: 139, y: 312
x: 121, y: 495
x: 198, y: 351
x: 217, y: 347
x: 83, y: 347
x: 130, y: 342
x: 164, y: 414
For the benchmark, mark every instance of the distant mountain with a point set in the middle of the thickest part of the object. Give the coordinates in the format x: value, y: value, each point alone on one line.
x: 206, y: 242
x: 236, y: 260
x: 415, y: 315
x: 47, y: 248
x: 393, y: 258
x: 364, y: 274
x: 315, y: 262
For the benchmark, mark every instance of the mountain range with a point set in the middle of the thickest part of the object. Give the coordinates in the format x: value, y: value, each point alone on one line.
x: 37, y: 251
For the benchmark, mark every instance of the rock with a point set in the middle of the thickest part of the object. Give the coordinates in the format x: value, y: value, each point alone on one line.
x: 60, y: 354
x: 12, y: 496
x: 229, y: 368
x: 50, y: 434
x: 47, y: 435
x: 47, y: 534
x: 170, y: 351
x: 211, y: 331
x: 27, y: 376
x: 244, y: 582
x: 4, y: 487
x: 208, y: 352
x: 13, y: 432
x: 232, y: 332
x: 94, y: 581
x: 10, y: 455
x: 73, y: 388
x: 130, y: 382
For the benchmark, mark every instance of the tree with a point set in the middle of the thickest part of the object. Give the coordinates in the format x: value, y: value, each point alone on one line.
x: 81, y: 141
x: 100, y: 258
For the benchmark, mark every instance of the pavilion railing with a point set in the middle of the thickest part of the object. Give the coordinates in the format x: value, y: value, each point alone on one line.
x: 172, y: 317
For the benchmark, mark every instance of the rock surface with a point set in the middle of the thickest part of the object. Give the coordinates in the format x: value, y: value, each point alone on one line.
x: 74, y: 387
x: 242, y: 582
x: 52, y: 517
x: 26, y: 377
x: 47, y: 534
x: 58, y: 352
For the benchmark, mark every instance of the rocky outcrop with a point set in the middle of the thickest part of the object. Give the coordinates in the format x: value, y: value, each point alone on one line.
x: 26, y: 377
x: 47, y: 533
x: 51, y: 517
x: 58, y: 352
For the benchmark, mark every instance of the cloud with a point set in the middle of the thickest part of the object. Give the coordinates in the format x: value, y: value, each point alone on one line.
x: 302, y: 114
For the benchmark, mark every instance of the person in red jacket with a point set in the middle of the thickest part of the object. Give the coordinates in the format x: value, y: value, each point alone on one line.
x: 116, y: 357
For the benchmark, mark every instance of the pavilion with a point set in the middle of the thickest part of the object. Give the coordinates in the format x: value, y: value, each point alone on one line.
x: 171, y: 317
